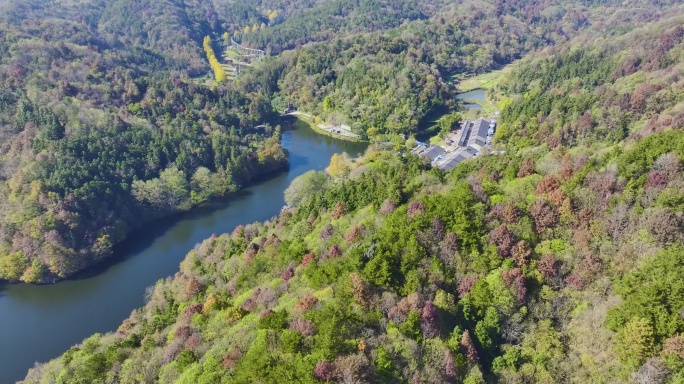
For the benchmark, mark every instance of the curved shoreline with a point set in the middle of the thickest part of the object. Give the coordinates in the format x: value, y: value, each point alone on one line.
x: 43, y: 321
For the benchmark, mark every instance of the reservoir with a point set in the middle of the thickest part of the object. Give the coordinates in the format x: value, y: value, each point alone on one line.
x: 470, y: 98
x: 38, y: 323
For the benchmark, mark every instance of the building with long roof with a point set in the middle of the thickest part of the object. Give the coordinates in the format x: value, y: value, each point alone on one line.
x: 469, y: 141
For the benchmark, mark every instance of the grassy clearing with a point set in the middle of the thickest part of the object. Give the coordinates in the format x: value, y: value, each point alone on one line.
x: 487, y: 80
x: 231, y: 69
x: 436, y: 140
x: 489, y: 107
x: 230, y: 54
x: 304, y: 121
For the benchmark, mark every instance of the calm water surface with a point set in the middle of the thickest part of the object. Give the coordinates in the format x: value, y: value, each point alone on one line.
x: 474, y: 95
x: 37, y: 323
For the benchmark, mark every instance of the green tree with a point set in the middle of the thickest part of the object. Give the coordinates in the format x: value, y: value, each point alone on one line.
x: 12, y: 266
x: 339, y: 165
x: 487, y: 330
x: 634, y: 342
x: 327, y: 104
x: 304, y: 186
x: 95, y: 368
x: 654, y: 293
x: 542, y: 352
x: 411, y: 326
x: 384, y: 365
x: 185, y: 359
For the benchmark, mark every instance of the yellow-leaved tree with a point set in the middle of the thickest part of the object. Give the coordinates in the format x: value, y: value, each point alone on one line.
x: 215, y: 65
x: 339, y: 165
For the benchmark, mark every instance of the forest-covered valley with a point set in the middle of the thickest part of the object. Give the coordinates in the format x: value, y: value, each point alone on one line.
x: 105, y: 127
x: 103, y: 130
x: 554, y: 258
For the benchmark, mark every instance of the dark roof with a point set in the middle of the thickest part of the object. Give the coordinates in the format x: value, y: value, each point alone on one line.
x: 455, y: 158
x: 471, y: 139
x: 469, y: 152
x: 463, y: 134
x: 454, y: 161
x: 450, y: 164
x: 478, y: 134
x: 433, y: 152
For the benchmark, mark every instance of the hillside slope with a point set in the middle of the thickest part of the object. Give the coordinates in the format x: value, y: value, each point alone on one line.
x: 392, y: 64
x: 102, y: 123
x: 101, y: 132
x: 556, y: 261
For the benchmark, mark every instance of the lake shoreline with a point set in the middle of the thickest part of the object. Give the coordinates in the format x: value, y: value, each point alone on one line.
x: 43, y: 321
x: 156, y: 219
x: 323, y: 132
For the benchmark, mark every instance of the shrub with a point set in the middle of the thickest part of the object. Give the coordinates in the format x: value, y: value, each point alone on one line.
x: 526, y: 167
x: 272, y: 320
x: 544, y: 215
x: 466, y: 285
x: 468, y: 347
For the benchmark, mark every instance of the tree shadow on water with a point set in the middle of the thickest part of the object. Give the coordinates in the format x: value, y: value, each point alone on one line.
x: 298, y: 161
x: 144, y: 236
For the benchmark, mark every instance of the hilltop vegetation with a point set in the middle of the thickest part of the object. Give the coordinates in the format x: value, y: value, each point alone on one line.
x: 383, y: 67
x: 101, y: 130
x: 585, y: 93
x: 501, y: 270
x: 555, y: 261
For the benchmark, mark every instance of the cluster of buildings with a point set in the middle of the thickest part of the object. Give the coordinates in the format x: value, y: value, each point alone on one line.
x: 459, y: 145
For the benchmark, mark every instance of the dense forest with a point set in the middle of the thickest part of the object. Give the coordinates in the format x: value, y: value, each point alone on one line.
x: 102, y: 129
x: 105, y: 121
x: 557, y: 258
x: 584, y: 93
x: 385, y: 67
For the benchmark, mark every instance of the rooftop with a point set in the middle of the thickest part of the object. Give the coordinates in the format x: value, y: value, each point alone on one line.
x: 460, y: 146
x: 433, y: 152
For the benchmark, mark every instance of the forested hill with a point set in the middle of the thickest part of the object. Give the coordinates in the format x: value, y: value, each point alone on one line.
x: 174, y: 27
x: 624, y: 86
x: 387, y: 67
x: 101, y: 128
x: 557, y: 260
x: 104, y: 121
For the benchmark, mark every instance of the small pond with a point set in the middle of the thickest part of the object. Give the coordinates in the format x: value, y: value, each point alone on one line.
x: 475, y: 94
x: 471, y: 96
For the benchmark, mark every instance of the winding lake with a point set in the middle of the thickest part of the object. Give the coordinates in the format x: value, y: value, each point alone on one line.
x: 37, y: 323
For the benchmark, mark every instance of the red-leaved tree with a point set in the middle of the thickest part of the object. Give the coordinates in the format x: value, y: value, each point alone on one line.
x: 468, y: 347
x: 544, y: 215
x: 324, y: 371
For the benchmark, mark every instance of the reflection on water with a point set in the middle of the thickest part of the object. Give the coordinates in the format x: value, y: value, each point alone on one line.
x: 474, y: 95
x: 38, y: 323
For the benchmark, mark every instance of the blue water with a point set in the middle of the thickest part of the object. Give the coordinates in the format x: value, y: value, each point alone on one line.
x: 38, y: 323
x: 474, y: 95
